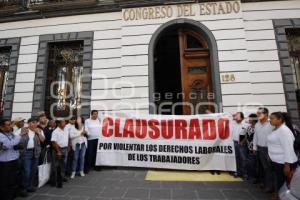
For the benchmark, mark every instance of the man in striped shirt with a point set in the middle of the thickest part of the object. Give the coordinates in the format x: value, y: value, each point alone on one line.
x: 9, y: 156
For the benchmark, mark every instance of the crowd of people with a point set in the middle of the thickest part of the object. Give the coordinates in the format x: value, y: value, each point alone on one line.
x: 23, y: 147
x: 266, y: 147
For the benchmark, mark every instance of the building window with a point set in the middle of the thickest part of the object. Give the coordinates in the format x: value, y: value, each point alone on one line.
x: 4, y: 65
x: 193, y: 43
x: 293, y: 36
x: 65, y: 68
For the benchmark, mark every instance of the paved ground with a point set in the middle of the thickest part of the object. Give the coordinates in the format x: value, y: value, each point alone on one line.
x: 130, y: 184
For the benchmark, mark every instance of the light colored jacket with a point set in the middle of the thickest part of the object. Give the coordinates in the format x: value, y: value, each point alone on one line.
x: 76, y: 137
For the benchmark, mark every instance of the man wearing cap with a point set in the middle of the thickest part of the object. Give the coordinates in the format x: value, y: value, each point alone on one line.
x: 31, y: 139
x: 18, y: 123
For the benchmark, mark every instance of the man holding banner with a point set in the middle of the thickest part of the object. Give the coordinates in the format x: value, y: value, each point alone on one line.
x: 92, y: 128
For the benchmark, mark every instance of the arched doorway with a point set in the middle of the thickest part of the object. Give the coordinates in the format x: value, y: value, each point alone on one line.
x: 183, y: 69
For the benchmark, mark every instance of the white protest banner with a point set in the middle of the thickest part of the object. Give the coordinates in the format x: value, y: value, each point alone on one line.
x: 187, y: 142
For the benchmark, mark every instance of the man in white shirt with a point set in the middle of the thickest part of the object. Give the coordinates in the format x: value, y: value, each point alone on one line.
x: 93, y: 129
x: 237, y: 130
x: 60, y: 142
x: 262, y: 129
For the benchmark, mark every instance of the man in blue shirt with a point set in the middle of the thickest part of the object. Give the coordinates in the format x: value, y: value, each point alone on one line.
x: 9, y: 156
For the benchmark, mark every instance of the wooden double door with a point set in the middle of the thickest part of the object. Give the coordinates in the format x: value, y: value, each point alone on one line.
x: 196, y: 79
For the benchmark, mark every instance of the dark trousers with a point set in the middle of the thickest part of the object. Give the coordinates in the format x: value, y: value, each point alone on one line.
x: 279, y: 178
x: 237, y: 158
x: 91, y: 153
x: 52, y: 154
x: 278, y: 174
x: 252, y: 167
x: 59, y: 166
x: 243, y: 160
x: 265, y: 167
x: 69, y: 163
x: 20, y: 176
x: 8, y: 179
x: 42, y: 156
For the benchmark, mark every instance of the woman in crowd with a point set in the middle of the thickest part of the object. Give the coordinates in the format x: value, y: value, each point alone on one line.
x: 281, y: 151
x: 79, y: 145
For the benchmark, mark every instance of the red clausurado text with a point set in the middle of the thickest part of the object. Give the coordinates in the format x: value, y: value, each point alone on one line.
x: 181, y: 129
